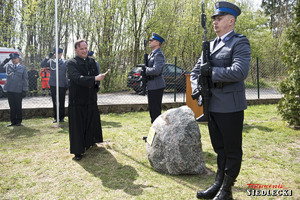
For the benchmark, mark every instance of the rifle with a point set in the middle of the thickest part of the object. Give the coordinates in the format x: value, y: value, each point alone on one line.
x: 203, y: 82
x: 144, y: 78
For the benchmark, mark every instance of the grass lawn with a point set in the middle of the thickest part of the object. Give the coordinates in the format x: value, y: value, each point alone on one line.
x: 35, y: 162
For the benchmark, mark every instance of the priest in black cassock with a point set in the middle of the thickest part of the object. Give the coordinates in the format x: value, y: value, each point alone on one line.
x: 84, y: 118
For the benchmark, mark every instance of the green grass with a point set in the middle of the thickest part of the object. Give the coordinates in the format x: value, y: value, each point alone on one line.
x: 35, y: 162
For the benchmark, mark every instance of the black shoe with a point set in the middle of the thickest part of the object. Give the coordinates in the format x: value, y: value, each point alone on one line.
x: 142, y: 93
x: 54, y: 121
x: 211, y: 192
x: 18, y: 124
x: 225, y: 192
x: 12, y: 124
x: 77, y: 157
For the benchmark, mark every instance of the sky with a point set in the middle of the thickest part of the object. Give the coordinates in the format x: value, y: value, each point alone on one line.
x: 257, y: 2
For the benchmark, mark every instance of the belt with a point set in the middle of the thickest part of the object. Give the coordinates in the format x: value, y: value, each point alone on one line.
x: 220, y: 85
x: 150, y: 77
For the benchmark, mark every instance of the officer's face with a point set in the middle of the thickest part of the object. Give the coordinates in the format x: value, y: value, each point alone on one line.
x: 59, y: 56
x: 153, y: 44
x: 15, y: 60
x: 223, y: 24
x: 82, y: 50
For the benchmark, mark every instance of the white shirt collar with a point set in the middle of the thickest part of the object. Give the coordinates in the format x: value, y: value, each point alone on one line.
x: 223, y: 36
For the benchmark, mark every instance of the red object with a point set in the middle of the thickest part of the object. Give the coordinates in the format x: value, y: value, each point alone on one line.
x: 45, y: 74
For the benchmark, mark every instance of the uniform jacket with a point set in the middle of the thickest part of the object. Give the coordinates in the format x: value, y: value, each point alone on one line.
x: 62, y: 71
x: 82, y: 72
x: 17, y: 80
x: 156, y: 61
x: 230, y: 61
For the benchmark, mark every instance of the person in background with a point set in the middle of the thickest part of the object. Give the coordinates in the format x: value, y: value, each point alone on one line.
x: 15, y: 87
x: 91, y: 55
x: 155, y: 80
x: 50, y: 63
x: 227, y: 69
x: 84, y: 117
x: 33, y: 75
x: 44, y: 74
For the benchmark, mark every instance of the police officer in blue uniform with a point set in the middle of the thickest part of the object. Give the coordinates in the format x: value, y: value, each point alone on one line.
x: 227, y: 69
x: 156, y: 83
x: 15, y: 87
x: 91, y: 55
x: 62, y: 78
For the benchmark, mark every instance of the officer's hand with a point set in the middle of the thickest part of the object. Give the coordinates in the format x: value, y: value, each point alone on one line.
x: 206, y: 69
x: 196, y: 93
x: 50, y: 54
x: 23, y: 94
x: 143, y: 68
x: 200, y: 101
x: 6, y: 61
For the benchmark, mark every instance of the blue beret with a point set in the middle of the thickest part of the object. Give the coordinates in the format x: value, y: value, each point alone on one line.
x: 90, y: 53
x: 14, y: 55
x: 226, y: 8
x: 157, y: 37
x: 60, y: 50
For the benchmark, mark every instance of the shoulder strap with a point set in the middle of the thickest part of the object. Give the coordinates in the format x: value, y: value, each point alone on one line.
x: 239, y: 35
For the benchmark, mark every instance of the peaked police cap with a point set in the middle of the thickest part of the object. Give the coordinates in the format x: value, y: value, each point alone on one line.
x: 226, y: 8
x: 155, y: 36
x: 60, y: 50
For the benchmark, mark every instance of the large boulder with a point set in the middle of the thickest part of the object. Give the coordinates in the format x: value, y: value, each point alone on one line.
x: 174, y: 143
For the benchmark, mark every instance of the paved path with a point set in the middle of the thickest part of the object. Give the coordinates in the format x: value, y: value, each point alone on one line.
x: 130, y: 98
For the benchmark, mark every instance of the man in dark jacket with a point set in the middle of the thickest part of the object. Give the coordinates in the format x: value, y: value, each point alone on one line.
x: 227, y: 69
x: 33, y: 75
x: 84, y: 118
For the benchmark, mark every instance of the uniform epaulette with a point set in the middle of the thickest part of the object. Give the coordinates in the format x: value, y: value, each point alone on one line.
x: 239, y: 35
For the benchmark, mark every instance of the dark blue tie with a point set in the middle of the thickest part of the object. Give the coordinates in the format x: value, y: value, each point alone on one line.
x: 217, y: 42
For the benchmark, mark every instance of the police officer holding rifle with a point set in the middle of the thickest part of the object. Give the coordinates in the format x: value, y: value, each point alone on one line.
x: 227, y: 68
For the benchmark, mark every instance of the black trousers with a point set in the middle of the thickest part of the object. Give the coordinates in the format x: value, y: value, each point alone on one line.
x: 32, y: 86
x: 225, y: 131
x: 154, y: 103
x: 62, y: 95
x: 15, y: 104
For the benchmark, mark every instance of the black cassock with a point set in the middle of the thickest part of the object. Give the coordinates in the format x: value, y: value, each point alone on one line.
x: 84, y: 118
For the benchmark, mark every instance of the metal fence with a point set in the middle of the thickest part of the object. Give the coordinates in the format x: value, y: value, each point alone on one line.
x: 261, y: 83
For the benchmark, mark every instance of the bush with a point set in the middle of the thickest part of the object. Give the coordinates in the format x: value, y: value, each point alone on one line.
x: 289, y: 105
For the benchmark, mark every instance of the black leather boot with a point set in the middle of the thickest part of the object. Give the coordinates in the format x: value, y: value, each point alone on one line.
x: 211, y: 192
x: 225, y: 192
